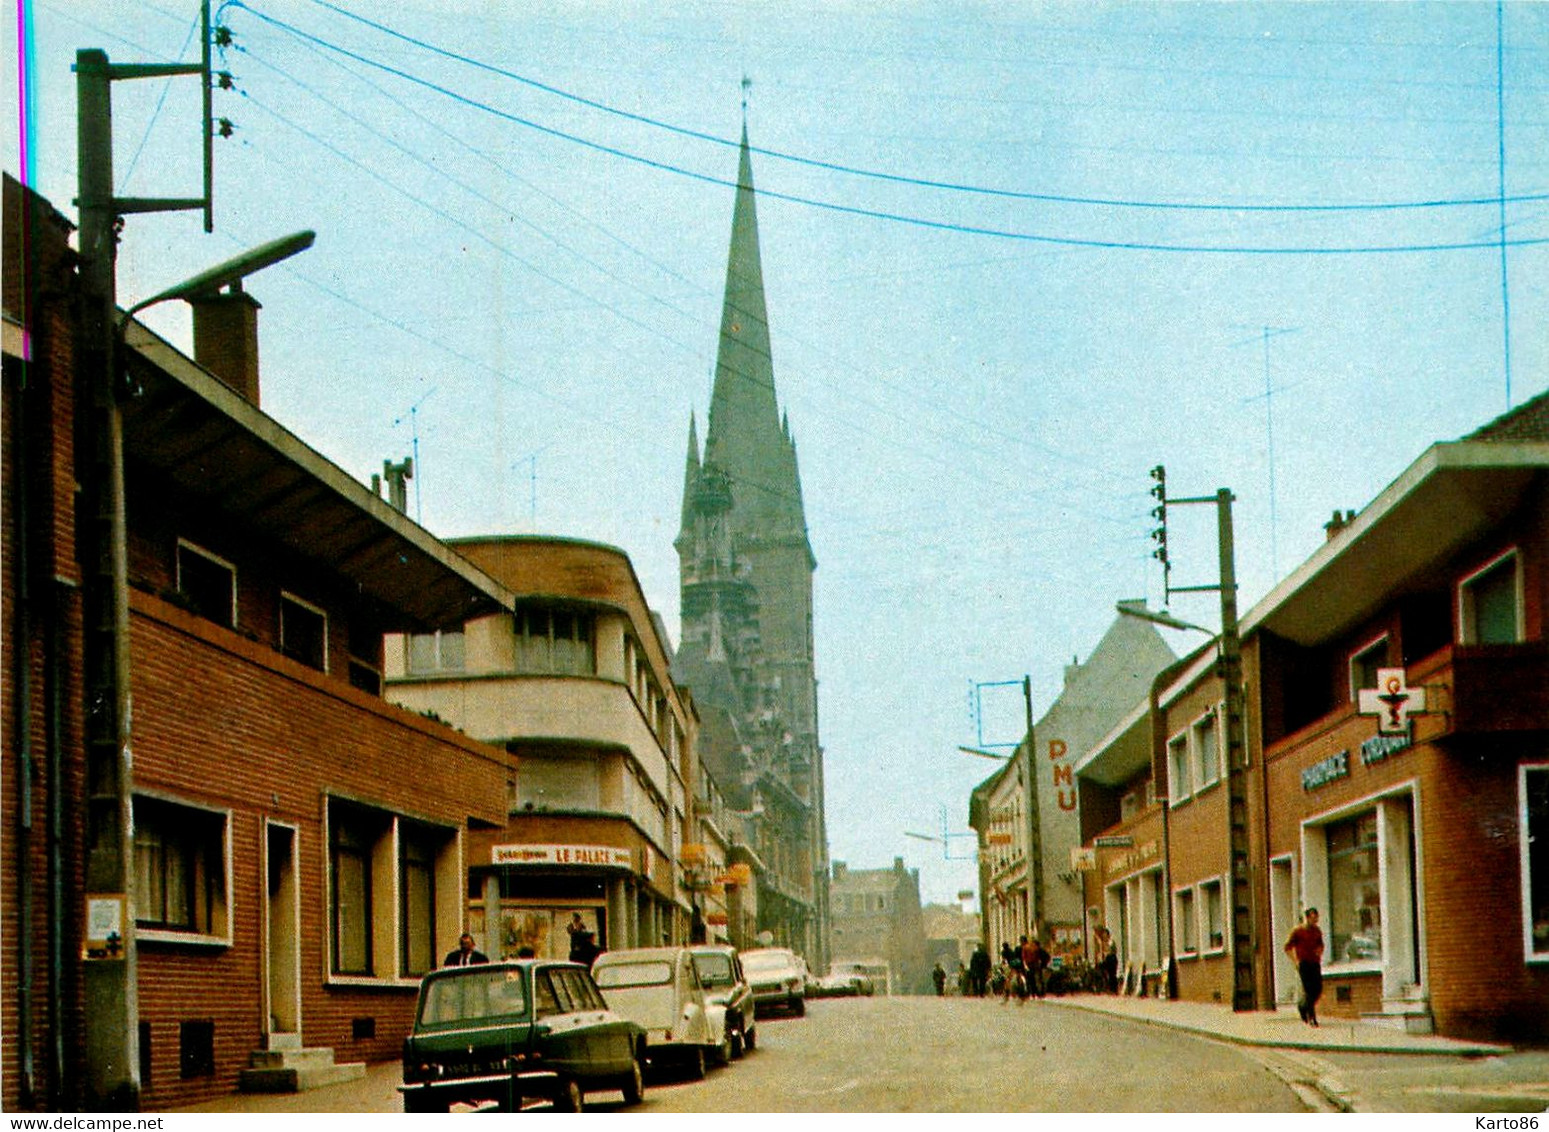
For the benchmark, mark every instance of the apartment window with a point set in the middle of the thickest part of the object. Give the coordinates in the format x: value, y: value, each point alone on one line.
x: 1186, y: 922
x: 1214, y: 918
x: 436, y: 652
x: 1207, y: 749
x: 1364, y: 666
x: 1354, y: 894
x: 354, y: 837
x: 1535, y: 859
x: 1180, y: 780
x: 417, y: 879
x: 207, y: 583
x: 365, y: 645
x: 303, y: 632
x: 1490, y: 603
x: 180, y: 868
x: 554, y: 641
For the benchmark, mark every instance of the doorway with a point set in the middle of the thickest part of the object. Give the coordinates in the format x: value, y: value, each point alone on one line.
x: 282, y: 935
x: 1282, y: 918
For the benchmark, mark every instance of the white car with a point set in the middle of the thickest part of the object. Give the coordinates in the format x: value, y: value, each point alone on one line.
x: 778, y: 978
x: 659, y: 989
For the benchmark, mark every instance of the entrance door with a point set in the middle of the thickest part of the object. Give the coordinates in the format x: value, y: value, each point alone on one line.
x: 1282, y: 918
x: 282, y: 935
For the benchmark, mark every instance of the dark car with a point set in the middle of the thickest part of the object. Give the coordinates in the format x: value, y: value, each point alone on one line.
x: 504, y: 1032
x: 727, y: 989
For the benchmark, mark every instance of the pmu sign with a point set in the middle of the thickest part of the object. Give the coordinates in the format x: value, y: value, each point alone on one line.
x: 1060, y: 772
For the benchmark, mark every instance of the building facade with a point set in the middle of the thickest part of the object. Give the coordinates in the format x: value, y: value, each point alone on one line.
x: 1094, y: 695
x: 294, y: 845
x: 746, y: 567
x: 608, y: 815
x: 878, y: 922
x: 1397, y: 737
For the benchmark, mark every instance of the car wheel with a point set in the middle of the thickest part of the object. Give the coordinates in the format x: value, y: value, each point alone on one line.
x: 696, y: 1064
x: 799, y: 1007
x: 634, y: 1084
x: 722, y: 1054
x: 568, y: 1098
x: 738, y: 1046
x: 749, y: 1039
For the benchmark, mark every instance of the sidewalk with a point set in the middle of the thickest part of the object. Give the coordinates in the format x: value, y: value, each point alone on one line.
x: 1351, y: 1066
x: 1274, y: 1029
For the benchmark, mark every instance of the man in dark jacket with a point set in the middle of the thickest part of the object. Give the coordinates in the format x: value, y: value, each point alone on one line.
x: 466, y: 954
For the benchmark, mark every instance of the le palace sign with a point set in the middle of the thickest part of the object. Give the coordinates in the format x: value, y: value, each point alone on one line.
x: 607, y: 856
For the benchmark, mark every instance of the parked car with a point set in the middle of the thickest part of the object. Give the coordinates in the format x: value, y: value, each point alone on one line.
x: 658, y: 988
x: 502, y: 1032
x: 728, y: 993
x: 832, y: 986
x: 856, y: 975
x: 777, y: 978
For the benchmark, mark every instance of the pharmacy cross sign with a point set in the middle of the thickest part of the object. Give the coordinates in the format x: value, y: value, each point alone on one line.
x: 1392, y: 701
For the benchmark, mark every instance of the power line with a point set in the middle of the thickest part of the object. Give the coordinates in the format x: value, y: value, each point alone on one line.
x: 901, y: 218
x: 952, y: 186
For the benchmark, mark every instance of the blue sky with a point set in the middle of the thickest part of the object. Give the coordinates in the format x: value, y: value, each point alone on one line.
x: 524, y: 282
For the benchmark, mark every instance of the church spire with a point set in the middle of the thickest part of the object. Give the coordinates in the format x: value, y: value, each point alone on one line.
x: 744, y: 427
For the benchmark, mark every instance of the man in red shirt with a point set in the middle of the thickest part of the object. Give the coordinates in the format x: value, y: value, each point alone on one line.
x: 1306, y: 947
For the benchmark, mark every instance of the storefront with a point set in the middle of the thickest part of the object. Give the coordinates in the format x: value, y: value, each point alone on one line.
x: 526, y: 895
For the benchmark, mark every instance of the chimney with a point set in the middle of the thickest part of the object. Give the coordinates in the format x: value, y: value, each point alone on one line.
x: 1338, y: 523
x: 226, y: 338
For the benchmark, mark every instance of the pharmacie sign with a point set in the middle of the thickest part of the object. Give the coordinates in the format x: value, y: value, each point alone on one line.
x: 1326, y: 771
x: 593, y: 855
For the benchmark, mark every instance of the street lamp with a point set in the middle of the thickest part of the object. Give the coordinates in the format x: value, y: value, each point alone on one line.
x: 230, y: 273
x: 1160, y: 617
x: 983, y: 754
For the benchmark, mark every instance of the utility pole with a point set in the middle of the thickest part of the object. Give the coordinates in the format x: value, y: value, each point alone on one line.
x: 110, y: 967
x: 1229, y: 670
x: 1034, y: 838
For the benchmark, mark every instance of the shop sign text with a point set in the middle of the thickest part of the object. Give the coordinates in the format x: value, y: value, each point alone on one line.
x: 592, y: 855
x: 1379, y: 747
x: 1326, y: 771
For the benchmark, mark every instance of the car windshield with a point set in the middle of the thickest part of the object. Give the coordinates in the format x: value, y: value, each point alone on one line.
x: 768, y: 961
x: 714, y: 970
x: 651, y: 974
x: 474, y: 996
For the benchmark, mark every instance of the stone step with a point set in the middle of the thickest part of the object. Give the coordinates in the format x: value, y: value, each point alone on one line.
x: 298, y: 1079
x: 1406, y: 1017
x: 295, y: 1057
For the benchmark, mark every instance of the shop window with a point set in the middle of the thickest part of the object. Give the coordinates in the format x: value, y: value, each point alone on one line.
x: 1490, y: 603
x: 1535, y: 860
x: 180, y: 868
x: 436, y: 652
x: 207, y: 583
x: 1186, y: 920
x: 1354, y: 895
x: 303, y: 632
x: 1213, y: 915
x: 1364, y: 666
x: 1180, y: 779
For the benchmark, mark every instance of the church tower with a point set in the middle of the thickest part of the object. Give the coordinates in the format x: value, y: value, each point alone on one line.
x: 746, y: 564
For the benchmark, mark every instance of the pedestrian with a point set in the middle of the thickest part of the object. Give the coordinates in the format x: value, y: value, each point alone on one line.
x: 979, y: 971
x: 466, y: 954
x: 1038, y: 968
x: 938, y: 977
x: 1108, y: 960
x: 1305, y: 946
x: 578, y: 932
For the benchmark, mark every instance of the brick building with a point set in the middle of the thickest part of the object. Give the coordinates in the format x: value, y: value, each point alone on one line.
x: 1397, y: 696
x: 296, y: 847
